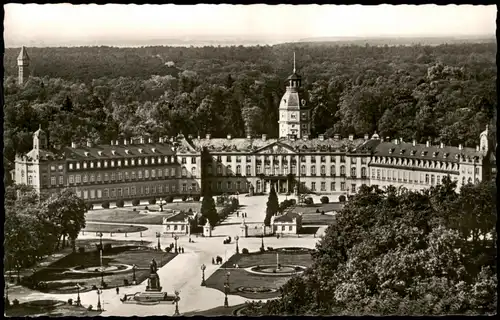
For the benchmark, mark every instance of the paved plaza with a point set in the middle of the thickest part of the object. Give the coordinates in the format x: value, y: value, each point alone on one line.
x: 183, y: 272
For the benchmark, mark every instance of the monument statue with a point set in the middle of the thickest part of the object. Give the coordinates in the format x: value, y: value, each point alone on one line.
x: 154, y: 280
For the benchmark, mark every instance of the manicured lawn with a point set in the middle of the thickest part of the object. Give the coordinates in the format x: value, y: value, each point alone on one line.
x: 29, y: 310
x: 59, y: 282
x: 125, y: 215
x: 308, y: 230
x: 322, y: 207
x: 317, y: 219
x: 217, y: 311
x: 241, y: 278
x: 115, y: 228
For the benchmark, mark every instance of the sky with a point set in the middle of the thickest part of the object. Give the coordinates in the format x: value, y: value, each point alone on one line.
x: 82, y: 23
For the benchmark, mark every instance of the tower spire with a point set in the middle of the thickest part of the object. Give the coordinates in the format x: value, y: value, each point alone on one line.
x: 294, y: 62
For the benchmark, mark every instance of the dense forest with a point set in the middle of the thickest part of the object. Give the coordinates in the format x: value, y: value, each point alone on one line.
x: 401, y: 252
x: 444, y: 93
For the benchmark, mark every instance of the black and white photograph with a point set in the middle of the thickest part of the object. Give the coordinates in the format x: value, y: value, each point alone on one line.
x: 249, y: 160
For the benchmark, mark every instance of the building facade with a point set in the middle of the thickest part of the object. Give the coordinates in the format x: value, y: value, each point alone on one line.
x: 294, y: 162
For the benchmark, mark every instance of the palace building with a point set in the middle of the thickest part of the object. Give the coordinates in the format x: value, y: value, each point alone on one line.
x: 294, y: 162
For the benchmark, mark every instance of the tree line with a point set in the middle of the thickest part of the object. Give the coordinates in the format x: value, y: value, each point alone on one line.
x: 441, y: 93
x: 401, y: 252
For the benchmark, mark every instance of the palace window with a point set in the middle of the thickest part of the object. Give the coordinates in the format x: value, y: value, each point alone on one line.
x: 248, y: 169
x: 229, y: 185
x: 139, y: 174
x: 84, y: 165
x: 342, y: 170
x: 139, y: 161
x: 302, y: 169
x: 342, y: 186
x: 132, y: 191
x: 132, y: 162
x: 432, y: 179
x: 378, y: 174
x: 373, y: 173
x: 184, y: 172
x: 353, y: 160
x: 342, y: 158
x: 228, y: 159
x: 91, y: 164
x: 92, y: 178
x: 364, y: 160
x: 71, y: 179
x: 238, y: 170
x: 105, y: 163
x: 333, y: 159
x: 119, y: 163
x: 70, y: 166
x: 259, y: 169
x: 285, y: 169
x: 173, y: 172
x: 332, y: 186
x: 193, y: 160
x: 229, y: 171
x: 112, y: 163
x: 302, y: 159
x: 313, y: 159
x: 427, y: 179
x: 313, y: 170
x: 105, y: 193
x: 249, y: 159
x: 353, y: 172
x: 183, y: 160
x: 78, y: 165
x: 313, y: 186
x: 332, y: 171
x: 323, y: 159
x: 294, y: 169
x: 353, y: 188
x: 219, y: 170
x: 323, y: 186
x: 184, y: 187
x: 120, y: 176
x: 167, y: 172
x: 52, y: 180
x: 85, y: 179
x: 153, y: 173
x: 363, y: 173
x: 113, y: 176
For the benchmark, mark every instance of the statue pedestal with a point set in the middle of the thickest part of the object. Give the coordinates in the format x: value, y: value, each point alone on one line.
x: 153, y: 283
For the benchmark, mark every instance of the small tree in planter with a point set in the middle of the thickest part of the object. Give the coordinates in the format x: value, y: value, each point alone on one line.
x: 342, y: 198
x: 324, y: 199
x: 105, y: 205
x: 309, y: 201
x: 136, y: 202
x: 244, y: 251
x: 89, y: 206
x: 169, y: 199
x: 152, y: 201
x: 196, y: 197
x: 184, y: 198
x: 120, y: 203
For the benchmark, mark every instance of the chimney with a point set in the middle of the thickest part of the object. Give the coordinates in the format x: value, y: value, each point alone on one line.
x: 441, y: 145
x: 460, y: 147
x: 366, y: 137
x: 351, y: 137
x: 141, y: 140
x: 89, y: 144
x: 207, y: 136
x: 264, y: 137
x: 428, y: 144
x: 414, y: 142
x: 336, y: 136
x: 73, y: 145
x: 321, y: 137
x: 228, y: 137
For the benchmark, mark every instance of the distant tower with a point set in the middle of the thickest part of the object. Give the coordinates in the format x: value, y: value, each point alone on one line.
x: 39, y: 139
x: 23, y: 62
x: 484, y: 140
x: 293, y: 114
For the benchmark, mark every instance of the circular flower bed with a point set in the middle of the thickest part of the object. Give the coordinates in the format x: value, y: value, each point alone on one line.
x: 256, y: 289
x: 44, y: 304
x: 109, y: 269
x: 272, y: 270
x: 294, y: 249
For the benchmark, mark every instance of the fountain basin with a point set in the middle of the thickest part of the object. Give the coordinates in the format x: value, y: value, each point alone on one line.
x: 272, y: 270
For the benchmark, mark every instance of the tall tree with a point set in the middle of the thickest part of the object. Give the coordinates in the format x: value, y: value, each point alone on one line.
x: 272, y: 206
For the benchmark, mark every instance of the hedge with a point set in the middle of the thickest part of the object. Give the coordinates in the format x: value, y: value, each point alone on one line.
x: 105, y: 205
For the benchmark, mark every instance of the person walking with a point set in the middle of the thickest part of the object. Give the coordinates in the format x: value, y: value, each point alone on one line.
x: 117, y: 290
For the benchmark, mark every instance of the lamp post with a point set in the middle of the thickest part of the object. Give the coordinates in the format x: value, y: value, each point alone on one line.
x: 203, y: 267
x: 226, y: 290
x: 158, y: 235
x: 134, y: 280
x: 236, y: 239
x: 99, y: 234
x: 176, y: 313
x: 78, y: 301
x: 176, y: 238
x: 161, y: 204
x: 99, y: 308
x: 262, y: 241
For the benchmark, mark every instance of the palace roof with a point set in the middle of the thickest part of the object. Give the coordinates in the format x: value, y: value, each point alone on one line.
x: 283, y: 145
x: 106, y: 151
x: 421, y: 151
x: 287, y: 217
x: 179, y: 217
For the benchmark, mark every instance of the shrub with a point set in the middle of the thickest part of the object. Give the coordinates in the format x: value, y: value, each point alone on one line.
x: 7, y: 302
x: 342, y: 198
x: 70, y: 301
x: 324, y: 199
x: 152, y: 201
x: 322, y: 212
x: 105, y: 205
x: 120, y: 203
x: 136, y: 202
x: 81, y: 249
x: 135, y: 209
x: 270, y: 249
x: 317, y: 210
x: 309, y: 201
x: 107, y: 247
x: 146, y: 208
x: 244, y: 251
x: 104, y: 285
x: 15, y: 302
x: 293, y: 202
x: 90, y: 308
x: 184, y: 198
x: 94, y: 287
x: 196, y: 197
x: 169, y: 199
x: 262, y: 249
x: 125, y: 282
x: 89, y: 206
x: 168, y: 249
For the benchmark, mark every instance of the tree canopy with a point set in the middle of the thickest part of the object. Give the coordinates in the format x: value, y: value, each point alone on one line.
x: 396, y: 251
x: 445, y: 93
